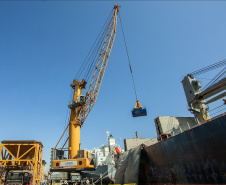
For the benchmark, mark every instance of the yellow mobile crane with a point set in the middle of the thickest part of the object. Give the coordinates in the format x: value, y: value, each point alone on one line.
x: 79, y: 160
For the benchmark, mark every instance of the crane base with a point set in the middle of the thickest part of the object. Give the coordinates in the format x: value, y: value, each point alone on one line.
x: 79, y: 164
x: 71, y: 169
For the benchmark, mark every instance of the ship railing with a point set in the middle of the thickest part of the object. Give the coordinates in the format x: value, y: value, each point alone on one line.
x: 151, y: 141
x: 103, y: 176
x: 217, y: 112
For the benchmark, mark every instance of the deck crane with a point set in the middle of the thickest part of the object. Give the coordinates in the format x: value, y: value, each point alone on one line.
x: 79, y: 160
x: 198, y: 98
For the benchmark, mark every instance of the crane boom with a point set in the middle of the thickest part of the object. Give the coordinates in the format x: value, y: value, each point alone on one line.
x: 91, y: 95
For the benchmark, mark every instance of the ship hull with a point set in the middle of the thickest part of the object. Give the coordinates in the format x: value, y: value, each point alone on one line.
x: 196, y: 156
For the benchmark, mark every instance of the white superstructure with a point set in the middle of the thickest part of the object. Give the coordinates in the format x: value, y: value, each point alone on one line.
x: 104, y: 155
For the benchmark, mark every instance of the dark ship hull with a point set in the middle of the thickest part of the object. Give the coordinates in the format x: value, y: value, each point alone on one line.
x: 196, y: 156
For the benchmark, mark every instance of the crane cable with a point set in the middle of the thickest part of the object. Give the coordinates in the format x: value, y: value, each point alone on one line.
x: 97, y: 49
x: 89, y: 60
x: 209, y: 68
x: 96, y: 53
x: 216, y: 79
x: 93, y: 57
x: 128, y: 56
x: 91, y: 52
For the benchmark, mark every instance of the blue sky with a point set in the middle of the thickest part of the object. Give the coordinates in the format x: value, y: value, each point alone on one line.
x: 43, y: 44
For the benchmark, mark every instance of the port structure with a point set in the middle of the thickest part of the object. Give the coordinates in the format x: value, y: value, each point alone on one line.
x: 21, y: 155
x: 79, y: 160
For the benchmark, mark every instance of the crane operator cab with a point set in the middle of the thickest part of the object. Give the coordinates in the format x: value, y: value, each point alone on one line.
x: 139, y: 110
x: 81, y: 101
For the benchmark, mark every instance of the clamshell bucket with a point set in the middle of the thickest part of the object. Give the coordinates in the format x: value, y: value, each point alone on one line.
x: 139, y: 110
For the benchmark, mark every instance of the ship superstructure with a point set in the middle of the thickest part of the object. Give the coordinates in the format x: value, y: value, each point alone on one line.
x: 104, y: 158
x: 104, y: 155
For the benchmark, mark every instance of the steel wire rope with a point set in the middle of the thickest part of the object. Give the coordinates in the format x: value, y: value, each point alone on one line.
x: 81, y: 69
x: 208, y: 68
x: 221, y: 110
x: 98, y: 48
x: 216, y: 78
x: 220, y: 77
x: 92, y: 59
x: 204, y: 78
x: 128, y: 56
x: 217, y: 107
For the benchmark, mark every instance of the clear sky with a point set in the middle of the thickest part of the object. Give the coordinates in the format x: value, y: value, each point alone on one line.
x: 43, y: 44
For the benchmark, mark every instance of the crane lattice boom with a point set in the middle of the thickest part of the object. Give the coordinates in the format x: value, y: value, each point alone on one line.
x: 91, y: 95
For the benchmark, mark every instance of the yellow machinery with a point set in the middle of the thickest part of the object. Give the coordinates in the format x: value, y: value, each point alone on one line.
x: 81, y: 106
x: 43, y: 171
x: 21, y: 155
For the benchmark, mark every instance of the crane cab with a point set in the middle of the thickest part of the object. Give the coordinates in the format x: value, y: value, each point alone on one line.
x: 82, y: 99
